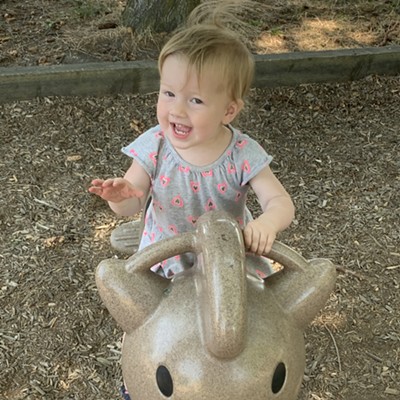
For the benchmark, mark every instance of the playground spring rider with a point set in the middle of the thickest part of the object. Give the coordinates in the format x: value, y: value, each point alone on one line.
x: 214, y: 331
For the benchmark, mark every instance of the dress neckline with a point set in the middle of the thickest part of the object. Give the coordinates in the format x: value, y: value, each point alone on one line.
x: 208, y: 167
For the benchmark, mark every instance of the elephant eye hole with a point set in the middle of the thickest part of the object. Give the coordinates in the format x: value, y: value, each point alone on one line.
x: 279, y: 378
x: 164, y: 381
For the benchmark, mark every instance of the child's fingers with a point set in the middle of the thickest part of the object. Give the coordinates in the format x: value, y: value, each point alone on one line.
x: 260, y: 245
x: 258, y: 242
x: 248, y: 238
x: 266, y: 248
x: 132, y: 191
x: 93, y: 189
x: 121, y: 186
x: 108, y: 182
x: 97, y: 182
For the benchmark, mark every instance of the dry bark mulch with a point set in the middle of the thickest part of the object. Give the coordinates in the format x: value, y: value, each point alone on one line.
x: 43, y: 32
x: 336, y: 149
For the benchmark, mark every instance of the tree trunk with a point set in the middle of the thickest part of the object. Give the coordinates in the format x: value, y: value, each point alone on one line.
x: 157, y: 15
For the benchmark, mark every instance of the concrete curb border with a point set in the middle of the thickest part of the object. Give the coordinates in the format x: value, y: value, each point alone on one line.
x: 106, y: 78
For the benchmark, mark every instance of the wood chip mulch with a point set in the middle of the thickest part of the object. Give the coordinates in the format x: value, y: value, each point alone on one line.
x: 336, y: 148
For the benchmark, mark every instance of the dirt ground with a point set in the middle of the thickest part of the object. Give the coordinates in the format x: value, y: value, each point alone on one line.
x: 336, y: 149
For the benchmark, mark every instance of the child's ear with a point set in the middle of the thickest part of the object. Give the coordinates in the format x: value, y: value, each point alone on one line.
x: 233, y: 109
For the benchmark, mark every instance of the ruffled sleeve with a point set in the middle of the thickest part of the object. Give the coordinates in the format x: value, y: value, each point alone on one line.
x: 145, y: 149
x: 249, y: 157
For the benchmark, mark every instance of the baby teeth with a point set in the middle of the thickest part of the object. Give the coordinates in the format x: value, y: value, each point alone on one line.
x: 181, y: 129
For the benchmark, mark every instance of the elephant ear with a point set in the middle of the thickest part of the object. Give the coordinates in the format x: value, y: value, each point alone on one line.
x: 130, y: 297
x: 129, y: 289
x: 303, y: 287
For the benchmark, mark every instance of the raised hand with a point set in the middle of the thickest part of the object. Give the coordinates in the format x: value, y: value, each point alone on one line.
x: 115, y: 190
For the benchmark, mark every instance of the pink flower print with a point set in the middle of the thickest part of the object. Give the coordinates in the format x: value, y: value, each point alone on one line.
x: 177, y: 201
x: 207, y: 173
x: 222, y: 187
x: 241, y: 143
x: 173, y: 229
x: 157, y: 204
x: 240, y: 222
x: 177, y: 257
x: 164, y: 180
x: 152, y: 237
x: 229, y: 152
x: 133, y: 152
x: 210, y: 205
x: 159, y: 134
x: 246, y: 167
x: 231, y: 168
x: 238, y: 196
x: 195, y: 186
x: 153, y: 157
x: 184, y: 169
x: 192, y: 219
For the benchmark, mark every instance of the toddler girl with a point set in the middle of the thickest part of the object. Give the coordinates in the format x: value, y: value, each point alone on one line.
x: 194, y: 160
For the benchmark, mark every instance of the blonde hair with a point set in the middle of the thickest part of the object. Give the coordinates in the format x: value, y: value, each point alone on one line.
x: 209, y: 41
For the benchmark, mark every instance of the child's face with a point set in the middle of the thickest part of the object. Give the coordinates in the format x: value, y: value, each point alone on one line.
x: 192, y: 112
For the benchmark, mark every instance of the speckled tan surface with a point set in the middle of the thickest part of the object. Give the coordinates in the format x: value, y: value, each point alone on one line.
x: 214, y: 332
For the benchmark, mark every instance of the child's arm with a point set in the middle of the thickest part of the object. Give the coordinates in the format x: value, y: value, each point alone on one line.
x: 126, y: 196
x: 278, y: 212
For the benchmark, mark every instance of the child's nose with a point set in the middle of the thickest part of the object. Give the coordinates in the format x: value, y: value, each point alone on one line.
x: 178, y: 109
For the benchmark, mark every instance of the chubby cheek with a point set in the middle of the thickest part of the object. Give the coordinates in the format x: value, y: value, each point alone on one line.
x: 162, y: 116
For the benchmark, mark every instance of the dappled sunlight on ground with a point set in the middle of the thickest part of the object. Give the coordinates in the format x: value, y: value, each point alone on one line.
x: 316, y: 34
x: 331, y: 34
x: 270, y: 43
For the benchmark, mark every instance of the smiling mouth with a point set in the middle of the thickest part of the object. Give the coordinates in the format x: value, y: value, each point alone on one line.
x: 181, y: 131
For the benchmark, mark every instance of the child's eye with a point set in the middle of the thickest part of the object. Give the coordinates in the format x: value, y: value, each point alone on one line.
x: 168, y: 93
x: 195, y: 100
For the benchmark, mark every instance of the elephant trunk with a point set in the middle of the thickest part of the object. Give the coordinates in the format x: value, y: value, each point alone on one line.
x: 222, y: 285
